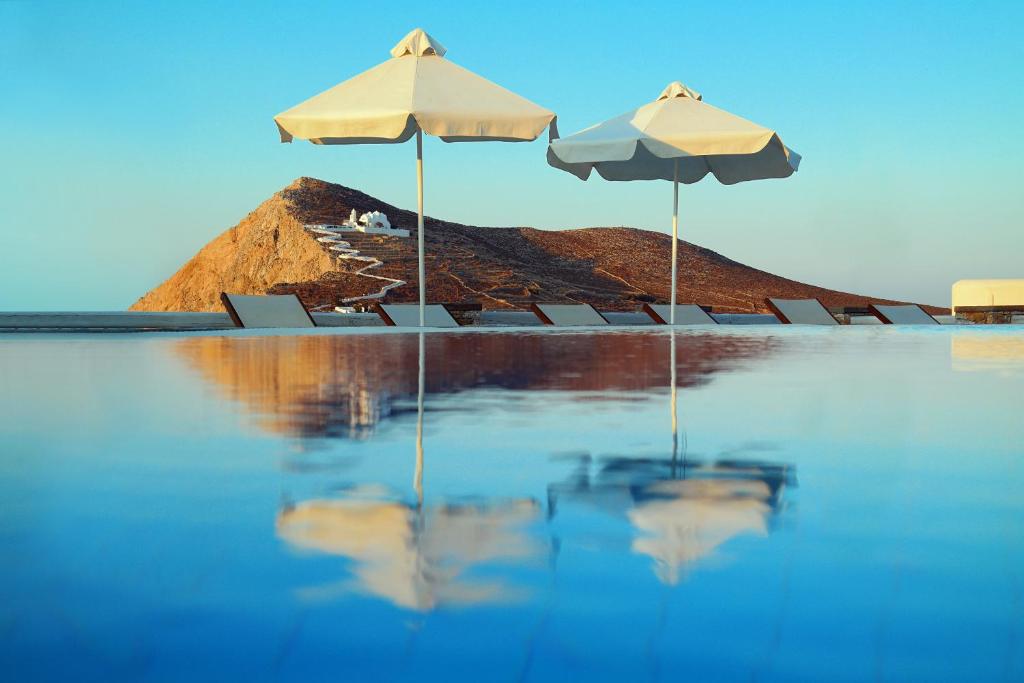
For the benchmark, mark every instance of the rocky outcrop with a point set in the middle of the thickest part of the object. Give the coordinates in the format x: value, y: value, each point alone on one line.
x: 267, y: 247
x: 614, y: 268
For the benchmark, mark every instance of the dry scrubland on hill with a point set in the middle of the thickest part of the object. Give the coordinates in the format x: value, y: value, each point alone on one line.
x: 270, y: 251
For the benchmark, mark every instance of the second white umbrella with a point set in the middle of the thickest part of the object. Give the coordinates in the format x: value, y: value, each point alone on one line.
x: 677, y: 137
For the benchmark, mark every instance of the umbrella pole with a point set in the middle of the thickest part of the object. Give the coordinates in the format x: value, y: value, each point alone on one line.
x: 419, y: 226
x: 675, y: 239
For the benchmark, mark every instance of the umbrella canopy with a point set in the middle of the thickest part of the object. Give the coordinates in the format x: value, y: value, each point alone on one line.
x: 417, y: 91
x: 677, y: 137
x: 677, y: 128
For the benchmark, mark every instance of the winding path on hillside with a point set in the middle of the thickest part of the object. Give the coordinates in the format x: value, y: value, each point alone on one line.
x: 331, y: 236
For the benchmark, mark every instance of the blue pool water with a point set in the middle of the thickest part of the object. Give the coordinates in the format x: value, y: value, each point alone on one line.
x: 836, y: 504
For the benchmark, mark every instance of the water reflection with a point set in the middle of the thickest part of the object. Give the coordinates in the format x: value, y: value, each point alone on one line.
x: 143, y: 528
x: 972, y: 352
x: 345, y: 385
x: 681, y: 512
x: 416, y: 557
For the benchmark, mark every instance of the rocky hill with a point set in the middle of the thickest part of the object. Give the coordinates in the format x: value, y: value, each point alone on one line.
x: 270, y: 251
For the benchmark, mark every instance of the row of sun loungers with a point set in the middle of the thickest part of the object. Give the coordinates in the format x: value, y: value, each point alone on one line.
x: 788, y: 311
x: 288, y: 311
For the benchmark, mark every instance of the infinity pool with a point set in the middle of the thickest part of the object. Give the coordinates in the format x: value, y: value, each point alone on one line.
x: 806, y: 504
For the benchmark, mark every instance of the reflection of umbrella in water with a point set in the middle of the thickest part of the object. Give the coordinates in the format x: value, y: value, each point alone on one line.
x: 412, y: 556
x: 685, y: 519
x: 415, y: 555
x: 672, y: 384
x: 694, y: 518
x: 681, y: 515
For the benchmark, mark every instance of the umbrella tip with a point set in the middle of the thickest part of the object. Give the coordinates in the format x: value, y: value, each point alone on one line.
x: 677, y: 89
x: 418, y: 43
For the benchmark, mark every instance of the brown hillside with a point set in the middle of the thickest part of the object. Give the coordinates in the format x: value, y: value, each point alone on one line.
x: 267, y: 247
x: 613, y: 268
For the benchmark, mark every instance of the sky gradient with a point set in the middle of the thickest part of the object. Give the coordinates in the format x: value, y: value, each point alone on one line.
x: 136, y: 133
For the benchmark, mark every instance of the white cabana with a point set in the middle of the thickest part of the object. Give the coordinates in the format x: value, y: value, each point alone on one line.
x: 1007, y: 293
x: 416, y: 91
x: 677, y: 137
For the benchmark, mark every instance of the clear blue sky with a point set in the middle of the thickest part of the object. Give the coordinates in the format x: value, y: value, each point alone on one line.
x: 136, y: 132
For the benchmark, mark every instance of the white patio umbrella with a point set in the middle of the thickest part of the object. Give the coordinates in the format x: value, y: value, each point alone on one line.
x: 416, y: 91
x: 677, y: 137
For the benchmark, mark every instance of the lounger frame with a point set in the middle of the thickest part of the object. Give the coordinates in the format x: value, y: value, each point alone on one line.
x: 786, y: 321
x: 548, y: 321
x: 656, y: 317
x: 230, y: 308
x: 881, y: 316
x: 390, y: 322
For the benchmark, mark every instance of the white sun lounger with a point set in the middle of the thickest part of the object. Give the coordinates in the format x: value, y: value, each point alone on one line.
x: 910, y: 314
x: 272, y: 310
x: 568, y: 315
x: 686, y: 314
x: 801, y: 311
x: 408, y: 315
